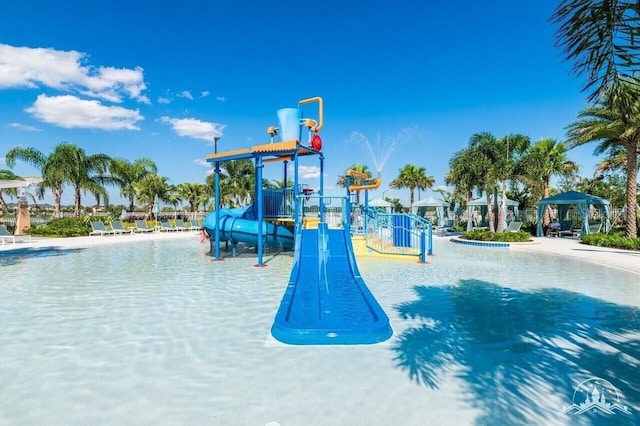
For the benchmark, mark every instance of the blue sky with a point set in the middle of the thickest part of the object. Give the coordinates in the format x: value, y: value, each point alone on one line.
x: 159, y: 79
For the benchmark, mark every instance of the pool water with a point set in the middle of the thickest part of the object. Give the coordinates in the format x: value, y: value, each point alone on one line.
x: 157, y: 333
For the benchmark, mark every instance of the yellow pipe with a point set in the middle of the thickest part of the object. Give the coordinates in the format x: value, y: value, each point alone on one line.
x: 356, y: 173
x: 373, y: 185
x: 320, y: 111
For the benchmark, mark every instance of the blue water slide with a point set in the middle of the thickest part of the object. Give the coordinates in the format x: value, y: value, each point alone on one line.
x: 239, y: 226
x: 326, y: 300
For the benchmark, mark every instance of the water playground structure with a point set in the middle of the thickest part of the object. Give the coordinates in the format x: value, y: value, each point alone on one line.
x: 326, y: 300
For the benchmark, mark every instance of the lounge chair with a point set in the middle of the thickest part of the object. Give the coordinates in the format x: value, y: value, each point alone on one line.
x: 595, y: 227
x: 166, y: 226
x: 118, y: 227
x: 194, y: 225
x: 180, y: 225
x: 5, y: 235
x: 99, y: 229
x: 141, y: 226
x: 514, y: 226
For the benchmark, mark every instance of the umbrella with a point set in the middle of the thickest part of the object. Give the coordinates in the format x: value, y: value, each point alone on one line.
x: 123, y: 214
x: 156, y: 207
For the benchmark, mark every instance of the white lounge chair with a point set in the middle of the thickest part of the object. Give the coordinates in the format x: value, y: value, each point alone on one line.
x: 180, y: 225
x: 165, y: 225
x: 514, y: 226
x: 118, y: 227
x: 141, y: 226
x: 99, y: 229
x: 5, y: 235
x: 194, y: 225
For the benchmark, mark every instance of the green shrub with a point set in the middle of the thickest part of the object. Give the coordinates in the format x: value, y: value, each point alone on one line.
x: 508, y: 237
x: 615, y: 240
x: 66, y: 227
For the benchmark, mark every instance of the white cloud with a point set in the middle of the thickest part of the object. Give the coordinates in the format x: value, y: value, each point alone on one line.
x: 67, y: 71
x: 194, y: 128
x: 221, y: 98
x: 71, y: 112
x: 163, y: 100
x: 23, y: 127
x: 204, y: 93
x: 186, y: 94
x: 309, y: 172
x: 202, y: 162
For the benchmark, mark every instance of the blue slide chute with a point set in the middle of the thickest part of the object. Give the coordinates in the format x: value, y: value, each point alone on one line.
x: 326, y: 301
x: 239, y: 225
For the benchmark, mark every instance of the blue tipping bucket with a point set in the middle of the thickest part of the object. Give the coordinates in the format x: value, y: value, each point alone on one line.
x: 289, y: 124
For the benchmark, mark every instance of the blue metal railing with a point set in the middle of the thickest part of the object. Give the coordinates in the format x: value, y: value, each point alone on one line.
x: 397, y: 233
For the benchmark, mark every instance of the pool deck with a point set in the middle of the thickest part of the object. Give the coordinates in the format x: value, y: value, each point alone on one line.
x: 569, y: 247
x: 97, y: 240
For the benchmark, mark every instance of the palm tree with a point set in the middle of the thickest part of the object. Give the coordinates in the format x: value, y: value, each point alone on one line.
x: 237, y: 182
x: 412, y: 177
x: 465, y: 173
x: 13, y: 192
x: 238, y: 176
x: 194, y: 193
x: 126, y: 173
x: 354, y: 180
x: 150, y: 187
x: 613, y: 126
x: 546, y: 158
x: 599, y: 36
x: 81, y: 171
x: 51, y: 172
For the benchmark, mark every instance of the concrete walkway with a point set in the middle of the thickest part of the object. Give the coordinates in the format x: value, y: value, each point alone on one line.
x: 96, y: 240
x: 570, y: 247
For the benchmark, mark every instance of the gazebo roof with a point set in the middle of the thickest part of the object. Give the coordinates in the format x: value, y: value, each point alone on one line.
x: 574, y: 197
x: 430, y: 202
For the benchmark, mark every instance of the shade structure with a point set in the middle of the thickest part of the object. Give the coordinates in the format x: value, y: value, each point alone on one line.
x: 482, y: 203
x: 441, y: 207
x: 574, y: 198
x: 379, y: 202
x: 156, y: 207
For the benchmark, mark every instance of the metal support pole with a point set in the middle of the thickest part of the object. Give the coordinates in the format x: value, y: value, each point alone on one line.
x: 259, y: 167
x: 217, y: 206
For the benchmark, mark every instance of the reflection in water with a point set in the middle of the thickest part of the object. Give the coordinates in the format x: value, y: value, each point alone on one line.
x: 12, y: 257
x: 519, y: 352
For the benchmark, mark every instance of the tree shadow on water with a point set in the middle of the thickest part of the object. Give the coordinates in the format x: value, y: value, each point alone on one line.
x: 12, y: 257
x: 521, y: 355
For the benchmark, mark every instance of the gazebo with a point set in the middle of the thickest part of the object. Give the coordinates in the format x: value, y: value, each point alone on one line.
x: 380, y: 203
x: 442, y: 209
x: 574, y: 198
x: 23, y: 218
x: 482, y: 203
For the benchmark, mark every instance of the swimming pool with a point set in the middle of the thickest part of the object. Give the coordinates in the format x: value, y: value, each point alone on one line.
x: 157, y: 333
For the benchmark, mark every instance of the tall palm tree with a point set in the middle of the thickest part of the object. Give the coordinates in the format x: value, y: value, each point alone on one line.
x: 13, y: 192
x: 465, y: 173
x: 81, y: 171
x: 50, y: 170
x: 544, y: 159
x: 238, y: 176
x: 412, y: 177
x: 194, y: 193
x: 610, y: 124
x: 150, y: 187
x: 600, y: 37
x: 126, y: 173
x: 237, y: 182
